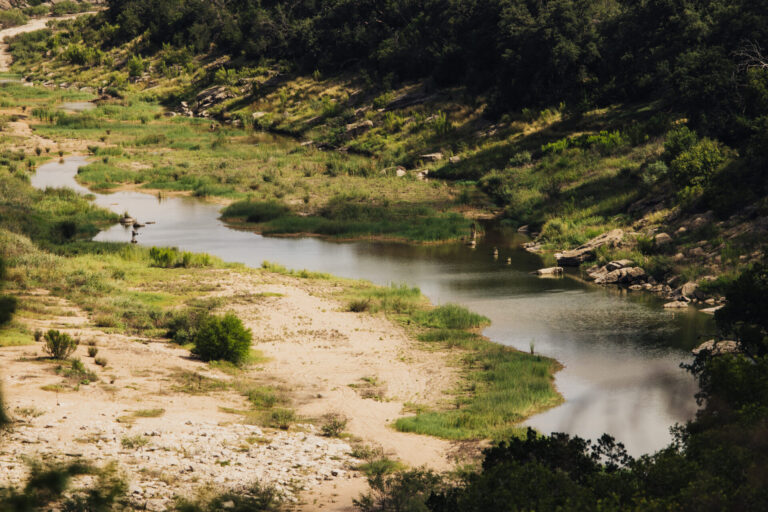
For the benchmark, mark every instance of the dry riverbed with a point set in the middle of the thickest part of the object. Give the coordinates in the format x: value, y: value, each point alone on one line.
x: 173, y: 435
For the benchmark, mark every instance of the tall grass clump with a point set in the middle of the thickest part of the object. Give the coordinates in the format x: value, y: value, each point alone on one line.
x: 451, y: 316
x: 170, y: 257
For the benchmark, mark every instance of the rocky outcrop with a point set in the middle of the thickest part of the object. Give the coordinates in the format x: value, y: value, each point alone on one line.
x: 355, y: 129
x: 204, y: 101
x: 619, y: 272
x: 432, y: 157
x: 717, y: 347
x: 586, y: 252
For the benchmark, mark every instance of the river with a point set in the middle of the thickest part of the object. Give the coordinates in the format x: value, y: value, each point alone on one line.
x: 621, y: 351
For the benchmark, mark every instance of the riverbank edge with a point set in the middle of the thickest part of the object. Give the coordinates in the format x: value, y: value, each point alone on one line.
x: 461, y: 341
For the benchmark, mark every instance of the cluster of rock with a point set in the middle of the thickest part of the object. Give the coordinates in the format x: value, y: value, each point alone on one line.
x: 204, y: 101
x: 179, y: 462
x: 586, y: 252
x: 623, y: 272
x: 717, y: 347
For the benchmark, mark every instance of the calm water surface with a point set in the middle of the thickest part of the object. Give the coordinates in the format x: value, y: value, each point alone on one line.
x: 77, y: 106
x: 621, y: 351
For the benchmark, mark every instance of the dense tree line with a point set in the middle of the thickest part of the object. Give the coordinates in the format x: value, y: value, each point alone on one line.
x: 702, y: 56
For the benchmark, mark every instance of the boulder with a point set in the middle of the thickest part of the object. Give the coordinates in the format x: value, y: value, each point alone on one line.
x: 433, y: 157
x: 688, y: 290
x: 550, y: 271
x: 717, y: 347
x: 355, y: 129
x: 662, y: 239
x: 618, y: 264
x: 455, y: 159
x: 586, y: 252
x: 677, y: 304
x: 625, y: 275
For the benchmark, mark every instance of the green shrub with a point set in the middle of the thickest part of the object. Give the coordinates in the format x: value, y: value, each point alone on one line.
x: 92, y: 351
x: 12, y: 18
x: 222, y: 338
x: 334, y: 425
x: 136, y: 66
x: 59, y: 345
x: 182, y: 326
x: 695, y: 166
x: 281, y: 418
x: 359, y: 305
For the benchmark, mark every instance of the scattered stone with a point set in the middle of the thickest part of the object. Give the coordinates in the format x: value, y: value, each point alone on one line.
x: 678, y: 304
x: 455, y: 159
x: 662, y: 239
x: 586, y: 252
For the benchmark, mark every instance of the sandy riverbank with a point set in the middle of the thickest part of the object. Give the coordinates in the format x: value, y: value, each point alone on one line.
x: 314, y: 351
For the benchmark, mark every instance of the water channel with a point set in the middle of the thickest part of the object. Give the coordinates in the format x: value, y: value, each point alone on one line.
x: 621, y: 351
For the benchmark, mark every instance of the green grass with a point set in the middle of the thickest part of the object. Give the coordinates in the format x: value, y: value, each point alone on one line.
x: 503, y: 387
x: 14, y: 335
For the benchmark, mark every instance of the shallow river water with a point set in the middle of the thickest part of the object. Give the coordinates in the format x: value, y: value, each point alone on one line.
x: 621, y: 351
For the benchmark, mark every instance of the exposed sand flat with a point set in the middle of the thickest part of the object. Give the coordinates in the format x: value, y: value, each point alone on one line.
x: 315, y: 350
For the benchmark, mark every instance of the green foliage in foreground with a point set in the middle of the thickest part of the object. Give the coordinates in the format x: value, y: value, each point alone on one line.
x: 222, y: 338
x: 502, y: 386
x: 347, y: 217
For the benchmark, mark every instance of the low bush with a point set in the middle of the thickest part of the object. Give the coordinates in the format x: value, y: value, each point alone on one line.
x: 222, y: 338
x: 59, y: 345
x: 334, y: 424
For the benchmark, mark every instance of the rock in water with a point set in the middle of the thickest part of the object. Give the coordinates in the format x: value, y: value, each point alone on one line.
x: 550, y: 271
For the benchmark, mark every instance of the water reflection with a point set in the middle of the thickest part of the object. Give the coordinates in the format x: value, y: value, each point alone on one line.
x: 77, y: 106
x: 621, y: 351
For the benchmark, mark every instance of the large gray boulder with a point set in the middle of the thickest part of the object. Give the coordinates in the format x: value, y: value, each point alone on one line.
x: 627, y: 275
